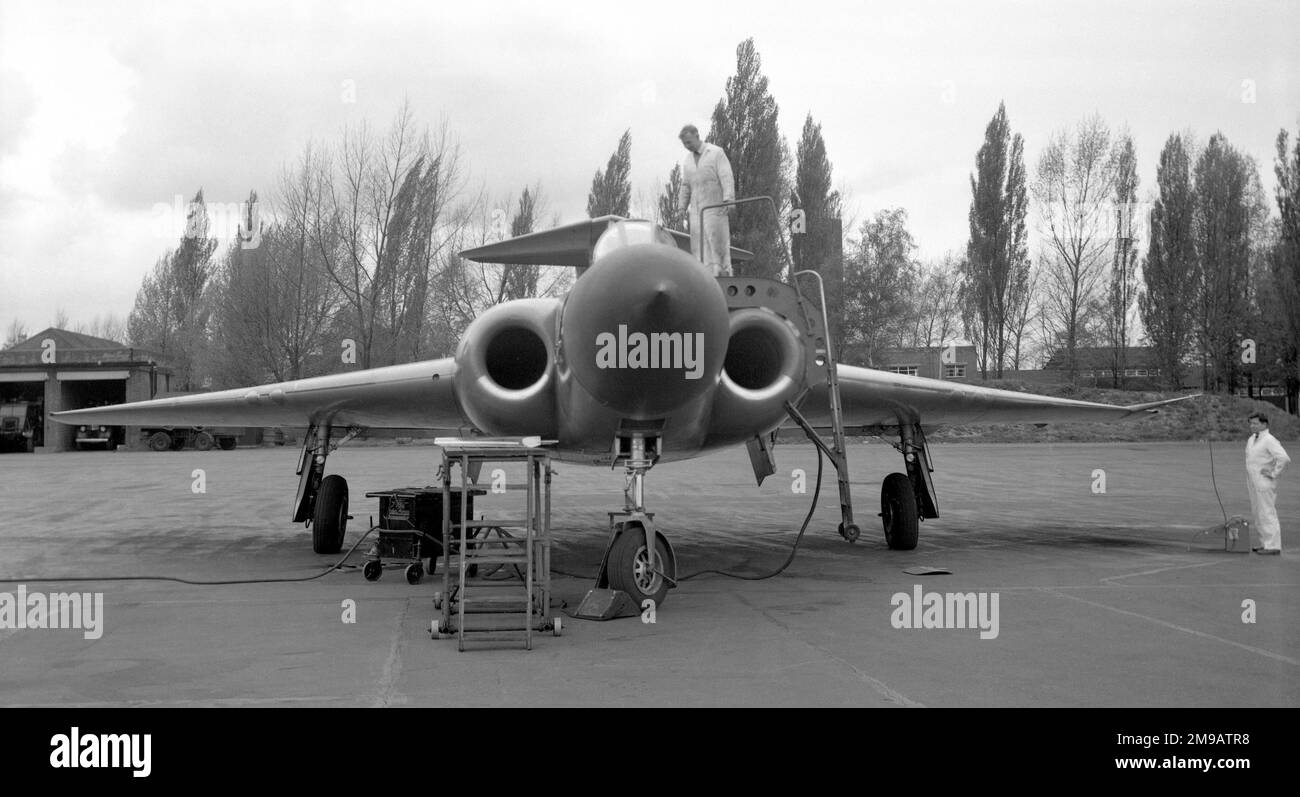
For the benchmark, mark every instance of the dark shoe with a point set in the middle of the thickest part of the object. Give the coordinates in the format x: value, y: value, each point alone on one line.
x: 1256, y: 550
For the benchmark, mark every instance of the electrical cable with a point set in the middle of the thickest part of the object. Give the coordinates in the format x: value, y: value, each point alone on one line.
x: 1215, y: 481
x: 793, y: 549
x: 336, y: 566
x: 743, y: 576
x: 339, y: 564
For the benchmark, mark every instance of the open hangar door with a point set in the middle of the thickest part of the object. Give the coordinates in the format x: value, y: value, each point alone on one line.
x: 91, y: 389
x: 19, y: 390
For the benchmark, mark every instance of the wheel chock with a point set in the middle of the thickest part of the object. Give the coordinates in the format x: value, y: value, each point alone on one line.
x: 607, y: 604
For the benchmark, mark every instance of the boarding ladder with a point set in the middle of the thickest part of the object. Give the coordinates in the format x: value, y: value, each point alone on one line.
x: 825, y: 355
x: 837, y: 451
x: 497, y: 579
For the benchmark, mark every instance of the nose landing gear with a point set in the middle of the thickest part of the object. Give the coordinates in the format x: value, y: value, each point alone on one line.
x: 638, y: 561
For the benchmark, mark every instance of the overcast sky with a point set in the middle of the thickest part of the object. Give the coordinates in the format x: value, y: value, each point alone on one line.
x: 108, y: 111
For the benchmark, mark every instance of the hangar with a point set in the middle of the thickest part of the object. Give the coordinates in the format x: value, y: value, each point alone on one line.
x: 57, y: 370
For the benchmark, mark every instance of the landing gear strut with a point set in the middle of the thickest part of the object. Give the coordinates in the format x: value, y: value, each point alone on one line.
x: 639, y: 560
x: 322, y: 500
x: 907, y: 498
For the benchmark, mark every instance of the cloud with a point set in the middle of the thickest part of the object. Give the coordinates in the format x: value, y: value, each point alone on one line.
x: 107, y: 111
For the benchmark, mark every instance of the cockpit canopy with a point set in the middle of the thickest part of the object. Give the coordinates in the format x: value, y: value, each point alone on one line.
x: 630, y: 232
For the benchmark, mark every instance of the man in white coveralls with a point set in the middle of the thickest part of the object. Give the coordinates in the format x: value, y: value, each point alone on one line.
x: 1265, y: 460
x: 707, y: 180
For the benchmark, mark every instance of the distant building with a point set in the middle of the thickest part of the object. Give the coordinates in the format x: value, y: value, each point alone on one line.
x: 1142, y: 370
x: 1097, y: 363
x: 953, y: 363
x: 62, y: 370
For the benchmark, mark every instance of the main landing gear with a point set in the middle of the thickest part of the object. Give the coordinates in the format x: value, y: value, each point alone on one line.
x: 905, y: 498
x: 322, y: 501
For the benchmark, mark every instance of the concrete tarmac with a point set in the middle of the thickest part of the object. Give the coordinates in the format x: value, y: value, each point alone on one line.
x: 1107, y: 595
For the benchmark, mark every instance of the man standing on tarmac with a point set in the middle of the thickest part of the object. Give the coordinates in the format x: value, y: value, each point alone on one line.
x: 1265, y: 460
x: 707, y: 180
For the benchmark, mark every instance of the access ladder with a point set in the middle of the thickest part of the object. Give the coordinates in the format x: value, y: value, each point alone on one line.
x: 476, y: 600
x: 825, y: 356
x: 837, y: 451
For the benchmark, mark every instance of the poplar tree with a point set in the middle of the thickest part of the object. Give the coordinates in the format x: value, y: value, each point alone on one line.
x: 819, y: 247
x: 611, y: 189
x: 1165, y: 301
x: 744, y: 125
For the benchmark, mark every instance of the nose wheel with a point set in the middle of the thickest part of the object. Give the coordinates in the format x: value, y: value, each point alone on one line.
x: 634, y: 569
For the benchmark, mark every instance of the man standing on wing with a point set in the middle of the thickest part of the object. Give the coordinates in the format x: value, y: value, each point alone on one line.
x: 707, y: 180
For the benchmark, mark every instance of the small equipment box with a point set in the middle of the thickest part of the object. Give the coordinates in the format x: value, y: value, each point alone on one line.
x: 410, y: 528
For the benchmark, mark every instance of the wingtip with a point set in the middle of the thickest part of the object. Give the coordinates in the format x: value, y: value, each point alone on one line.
x: 1153, y: 407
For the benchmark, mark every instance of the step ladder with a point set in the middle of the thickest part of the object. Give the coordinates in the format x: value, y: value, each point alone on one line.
x: 837, y: 451
x: 497, y: 578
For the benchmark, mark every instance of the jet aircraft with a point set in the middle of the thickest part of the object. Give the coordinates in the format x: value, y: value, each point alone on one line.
x: 647, y: 359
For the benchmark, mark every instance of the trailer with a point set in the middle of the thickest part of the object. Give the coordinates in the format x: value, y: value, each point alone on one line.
x: 176, y: 438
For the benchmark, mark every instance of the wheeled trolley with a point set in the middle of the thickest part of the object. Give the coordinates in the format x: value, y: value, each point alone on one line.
x: 410, y: 528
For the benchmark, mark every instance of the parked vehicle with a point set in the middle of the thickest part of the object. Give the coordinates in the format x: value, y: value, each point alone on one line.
x: 105, y: 437
x: 175, y: 438
x: 20, y: 426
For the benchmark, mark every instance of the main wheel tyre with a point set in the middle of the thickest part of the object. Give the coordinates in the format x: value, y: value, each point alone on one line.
x: 631, y: 571
x: 203, y: 441
x: 898, y: 512
x: 160, y: 441
x: 226, y: 443
x: 331, y: 518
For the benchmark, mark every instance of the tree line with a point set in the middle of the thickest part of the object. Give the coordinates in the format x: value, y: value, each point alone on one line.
x: 357, y: 263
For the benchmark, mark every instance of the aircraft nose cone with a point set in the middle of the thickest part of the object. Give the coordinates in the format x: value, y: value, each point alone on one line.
x: 661, y: 300
x: 645, y: 330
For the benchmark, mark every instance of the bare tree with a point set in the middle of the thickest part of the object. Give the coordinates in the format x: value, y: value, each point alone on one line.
x: 16, y: 333
x: 1121, y: 292
x: 276, y: 299
x: 1024, y: 306
x: 1073, y: 189
x: 381, y: 227
x: 936, y: 310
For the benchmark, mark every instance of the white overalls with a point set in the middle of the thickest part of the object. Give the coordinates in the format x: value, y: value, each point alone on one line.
x: 1265, y: 460
x: 706, y: 183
